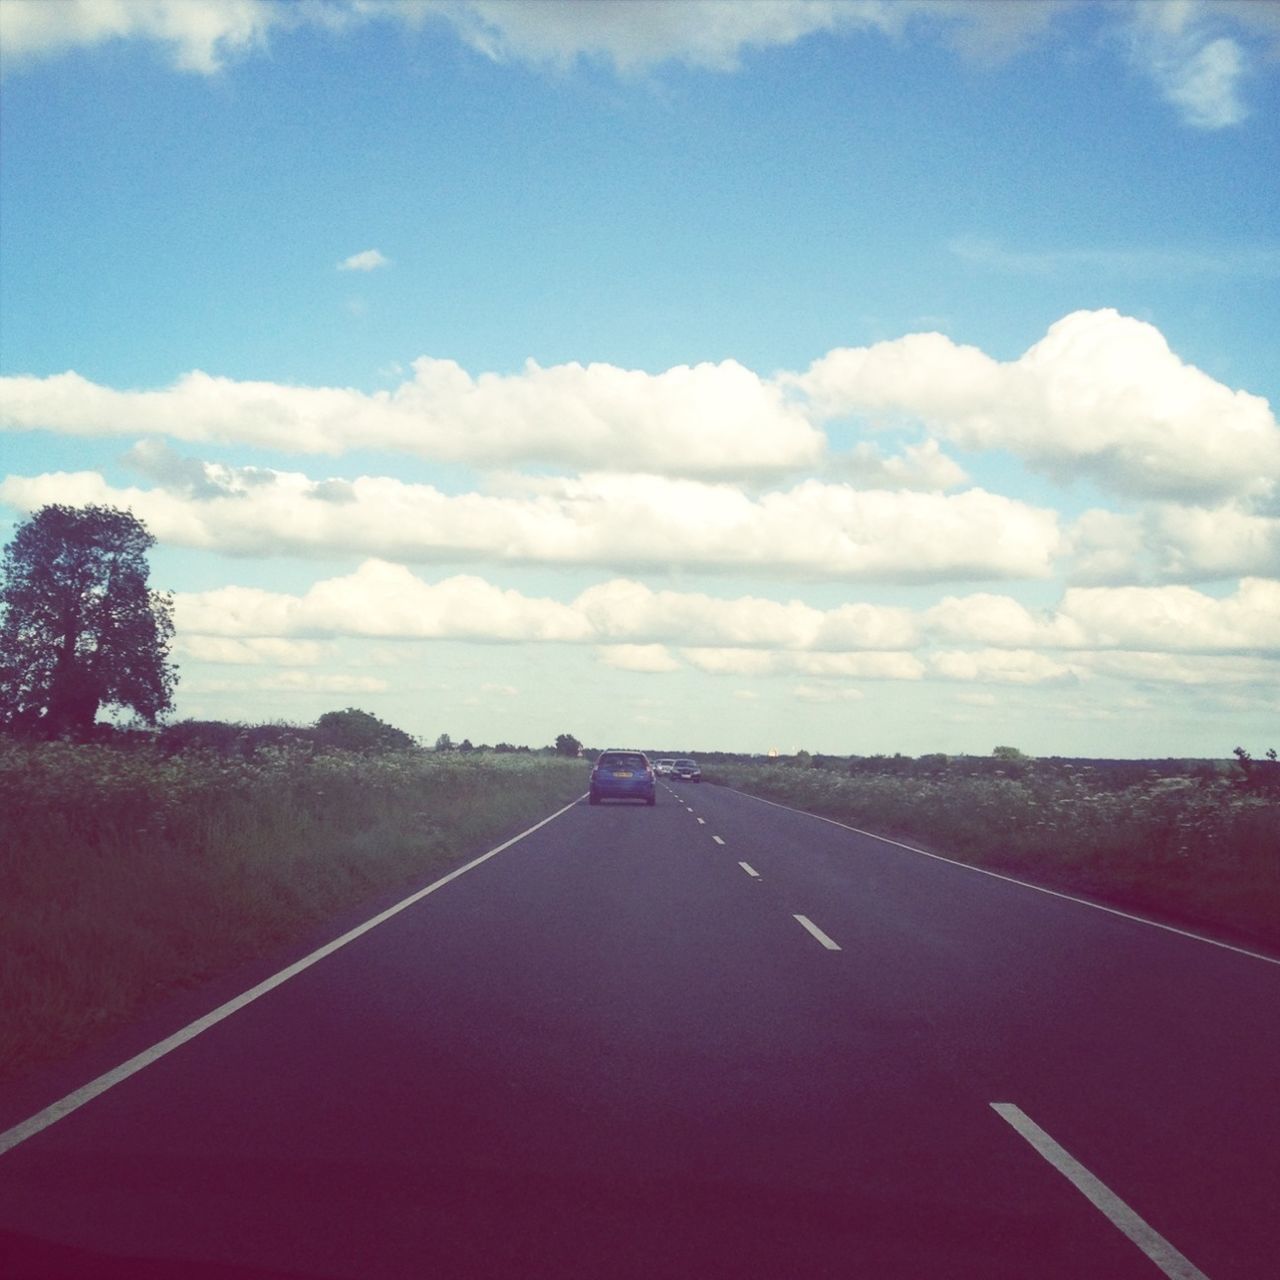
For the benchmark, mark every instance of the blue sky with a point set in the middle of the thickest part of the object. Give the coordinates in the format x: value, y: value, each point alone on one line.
x: 853, y: 376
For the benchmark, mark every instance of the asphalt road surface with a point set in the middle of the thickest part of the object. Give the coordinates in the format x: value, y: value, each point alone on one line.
x: 711, y: 1038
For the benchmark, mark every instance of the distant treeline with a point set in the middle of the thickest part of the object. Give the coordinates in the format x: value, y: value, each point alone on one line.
x: 1007, y: 762
x: 348, y: 730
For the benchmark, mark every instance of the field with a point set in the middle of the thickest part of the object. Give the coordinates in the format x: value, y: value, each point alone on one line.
x: 126, y: 873
x: 1195, y: 845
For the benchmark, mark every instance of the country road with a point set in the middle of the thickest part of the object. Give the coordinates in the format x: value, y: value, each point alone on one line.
x: 711, y: 1038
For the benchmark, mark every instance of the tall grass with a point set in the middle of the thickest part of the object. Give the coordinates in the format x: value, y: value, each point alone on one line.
x: 1202, y: 850
x: 125, y: 873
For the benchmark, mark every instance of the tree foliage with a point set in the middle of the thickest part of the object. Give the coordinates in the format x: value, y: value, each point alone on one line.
x: 80, y: 628
x: 355, y: 730
x: 567, y: 745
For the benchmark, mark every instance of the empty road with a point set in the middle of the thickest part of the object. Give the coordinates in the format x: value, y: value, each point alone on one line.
x: 712, y: 1038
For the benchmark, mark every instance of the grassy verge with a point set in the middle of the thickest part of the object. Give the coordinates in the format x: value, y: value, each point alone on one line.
x: 125, y: 875
x: 1201, y: 851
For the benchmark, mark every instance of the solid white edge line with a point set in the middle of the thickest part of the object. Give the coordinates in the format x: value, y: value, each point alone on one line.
x: 1141, y: 1232
x: 56, y: 1111
x: 1025, y: 884
x: 829, y: 943
x: 750, y: 870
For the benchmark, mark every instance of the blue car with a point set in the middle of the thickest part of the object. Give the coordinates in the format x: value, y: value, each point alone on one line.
x: 623, y: 775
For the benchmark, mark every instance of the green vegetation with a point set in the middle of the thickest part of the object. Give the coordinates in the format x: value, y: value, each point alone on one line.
x: 131, y: 869
x: 1191, y: 842
x: 149, y: 862
x: 80, y: 629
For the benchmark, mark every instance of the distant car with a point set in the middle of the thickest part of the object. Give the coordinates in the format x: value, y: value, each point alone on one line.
x: 688, y: 770
x: 664, y: 768
x: 622, y: 775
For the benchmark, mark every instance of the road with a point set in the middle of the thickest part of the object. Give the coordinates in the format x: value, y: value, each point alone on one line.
x: 712, y: 1038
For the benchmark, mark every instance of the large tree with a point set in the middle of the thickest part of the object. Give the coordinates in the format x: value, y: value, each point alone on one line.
x: 80, y: 628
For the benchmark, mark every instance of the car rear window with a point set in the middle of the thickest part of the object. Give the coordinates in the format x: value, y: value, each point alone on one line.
x: 621, y: 760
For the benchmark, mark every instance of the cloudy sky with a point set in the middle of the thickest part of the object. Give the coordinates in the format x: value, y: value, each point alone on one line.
x: 856, y: 376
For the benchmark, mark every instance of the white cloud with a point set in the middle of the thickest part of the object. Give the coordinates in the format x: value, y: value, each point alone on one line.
x: 651, y: 659
x: 1178, y: 619
x: 1185, y: 670
x: 1168, y: 618
x: 1164, y: 634
x: 1174, y: 542
x: 623, y: 522
x: 920, y: 466
x: 637, y: 34
x: 199, y: 34
x: 1197, y: 54
x: 632, y: 609
x: 1100, y: 395
x: 368, y: 260
x: 997, y: 621
x: 1000, y: 666
x: 1199, y: 72
x: 384, y: 600
x: 710, y: 419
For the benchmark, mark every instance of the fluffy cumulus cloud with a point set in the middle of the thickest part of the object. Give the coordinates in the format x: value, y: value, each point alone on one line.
x: 387, y: 600
x: 382, y: 600
x: 710, y: 419
x: 1101, y: 395
x: 1178, y: 619
x: 811, y: 529
x: 1174, y: 542
x: 626, y: 608
x: 1174, y: 619
x: 1156, y: 635
x: 1000, y: 666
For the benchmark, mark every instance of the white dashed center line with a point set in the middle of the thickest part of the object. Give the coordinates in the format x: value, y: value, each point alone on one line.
x: 817, y: 933
x: 718, y: 839
x: 749, y: 869
x: 702, y: 822
x: 1146, y: 1237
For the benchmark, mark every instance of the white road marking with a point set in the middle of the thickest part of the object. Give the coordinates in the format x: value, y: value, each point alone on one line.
x: 817, y: 933
x: 1025, y: 884
x: 1150, y: 1241
x: 702, y: 822
x: 718, y: 839
x: 56, y: 1111
x: 749, y: 869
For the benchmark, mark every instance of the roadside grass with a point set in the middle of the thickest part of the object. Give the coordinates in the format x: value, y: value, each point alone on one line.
x: 1201, y: 851
x: 126, y: 874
